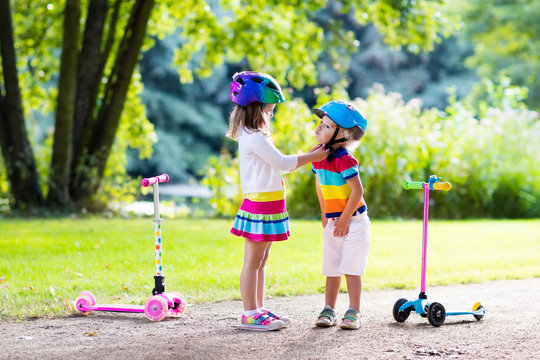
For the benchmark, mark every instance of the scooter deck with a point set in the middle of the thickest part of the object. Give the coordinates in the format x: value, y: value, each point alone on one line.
x: 114, y: 307
x: 476, y: 312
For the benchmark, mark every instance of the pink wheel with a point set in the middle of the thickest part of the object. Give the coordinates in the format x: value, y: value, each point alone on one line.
x: 89, y: 295
x: 156, y: 308
x: 179, y: 303
x: 85, y: 300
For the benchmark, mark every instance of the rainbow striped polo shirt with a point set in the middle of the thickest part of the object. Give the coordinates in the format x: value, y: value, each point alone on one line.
x: 333, y: 174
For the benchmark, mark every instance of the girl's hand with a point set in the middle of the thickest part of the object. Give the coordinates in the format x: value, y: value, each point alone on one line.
x: 314, y: 148
x: 341, y: 228
x: 319, y: 153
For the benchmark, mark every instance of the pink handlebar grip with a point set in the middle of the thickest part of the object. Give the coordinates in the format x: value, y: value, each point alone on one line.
x: 156, y: 179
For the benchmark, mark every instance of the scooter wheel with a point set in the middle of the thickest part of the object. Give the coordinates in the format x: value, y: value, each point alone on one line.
x: 401, y: 316
x: 179, y: 304
x: 436, y: 314
x: 84, y: 300
x: 477, y: 306
x: 156, y: 308
x: 89, y: 295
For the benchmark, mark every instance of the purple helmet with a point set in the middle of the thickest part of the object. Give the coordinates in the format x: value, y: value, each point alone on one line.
x: 252, y: 86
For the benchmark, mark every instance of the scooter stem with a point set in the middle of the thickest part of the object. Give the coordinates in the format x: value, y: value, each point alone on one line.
x: 159, y: 278
x: 424, y: 239
x: 156, y: 202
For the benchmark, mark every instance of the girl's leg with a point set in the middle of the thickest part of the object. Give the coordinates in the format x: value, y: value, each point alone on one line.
x: 332, y: 289
x: 261, y: 277
x: 354, y: 288
x: 253, y: 256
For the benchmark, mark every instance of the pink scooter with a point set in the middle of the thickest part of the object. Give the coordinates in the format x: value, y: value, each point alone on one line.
x: 161, y: 303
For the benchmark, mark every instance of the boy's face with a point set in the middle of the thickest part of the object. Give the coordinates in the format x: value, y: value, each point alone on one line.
x: 325, y: 130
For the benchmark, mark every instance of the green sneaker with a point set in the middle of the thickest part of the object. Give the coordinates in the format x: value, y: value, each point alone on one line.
x: 327, y: 318
x: 351, y: 320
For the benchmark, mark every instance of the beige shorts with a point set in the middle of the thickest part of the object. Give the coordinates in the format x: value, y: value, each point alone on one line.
x: 347, y: 255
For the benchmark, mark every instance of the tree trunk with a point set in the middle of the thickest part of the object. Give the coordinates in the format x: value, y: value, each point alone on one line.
x: 92, y: 62
x: 58, y: 196
x: 102, y: 139
x: 18, y: 155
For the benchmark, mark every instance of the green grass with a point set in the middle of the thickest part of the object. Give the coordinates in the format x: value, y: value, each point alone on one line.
x: 44, y: 264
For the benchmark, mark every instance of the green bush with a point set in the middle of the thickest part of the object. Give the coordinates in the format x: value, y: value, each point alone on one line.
x: 491, y: 160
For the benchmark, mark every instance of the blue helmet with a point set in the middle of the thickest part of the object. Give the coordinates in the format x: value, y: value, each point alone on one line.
x: 343, y: 113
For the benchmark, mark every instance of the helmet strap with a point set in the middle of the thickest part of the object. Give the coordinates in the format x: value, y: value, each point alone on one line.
x: 333, y: 140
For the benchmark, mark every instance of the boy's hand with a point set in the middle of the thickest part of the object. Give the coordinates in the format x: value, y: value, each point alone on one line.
x: 324, y: 220
x: 342, y: 227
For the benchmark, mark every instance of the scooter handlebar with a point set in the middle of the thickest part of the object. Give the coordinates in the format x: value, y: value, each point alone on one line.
x: 446, y: 186
x: 156, y: 179
x: 418, y: 185
x: 413, y: 185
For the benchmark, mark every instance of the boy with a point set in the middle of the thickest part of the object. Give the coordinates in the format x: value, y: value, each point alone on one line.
x: 343, y: 210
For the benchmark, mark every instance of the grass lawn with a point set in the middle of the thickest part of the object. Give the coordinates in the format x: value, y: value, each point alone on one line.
x: 44, y: 264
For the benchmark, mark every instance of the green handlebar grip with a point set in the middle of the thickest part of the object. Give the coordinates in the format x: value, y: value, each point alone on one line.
x: 442, y: 186
x: 418, y: 185
x: 413, y: 185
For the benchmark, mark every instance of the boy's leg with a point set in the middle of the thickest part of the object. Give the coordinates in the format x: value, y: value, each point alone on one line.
x: 328, y: 317
x: 333, y: 284
x: 354, y: 288
x: 352, y: 319
x: 253, y: 257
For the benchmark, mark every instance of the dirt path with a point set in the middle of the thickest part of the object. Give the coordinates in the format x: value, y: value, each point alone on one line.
x: 510, y: 330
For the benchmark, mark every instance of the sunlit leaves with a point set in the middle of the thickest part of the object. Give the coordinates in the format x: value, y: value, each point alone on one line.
x: 505, y: 35
x: 287, y: 39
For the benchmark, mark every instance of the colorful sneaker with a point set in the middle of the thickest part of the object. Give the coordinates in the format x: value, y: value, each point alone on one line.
x: 327, y: 318
x: 351, y: 320
x: 260, y: 322
x: 285, y: 319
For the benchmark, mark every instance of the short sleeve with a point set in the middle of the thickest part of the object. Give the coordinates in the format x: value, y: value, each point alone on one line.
x: 348, y: 167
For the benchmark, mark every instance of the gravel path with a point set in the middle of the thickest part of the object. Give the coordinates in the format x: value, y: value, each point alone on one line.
x: 510, y: 330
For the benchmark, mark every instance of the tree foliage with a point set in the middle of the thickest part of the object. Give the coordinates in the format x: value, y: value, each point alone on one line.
x: 507, y: 45
x: 284, y: 39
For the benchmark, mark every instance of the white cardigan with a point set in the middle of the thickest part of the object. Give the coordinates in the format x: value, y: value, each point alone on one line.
x: 261, y: 162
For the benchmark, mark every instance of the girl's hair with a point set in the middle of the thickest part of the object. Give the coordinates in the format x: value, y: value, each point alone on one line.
x: 250, y: 117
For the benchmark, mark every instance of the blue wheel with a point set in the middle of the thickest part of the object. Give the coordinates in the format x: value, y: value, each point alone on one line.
x: 477, y: 306
x: 436, y: 314
x: 401, y: 316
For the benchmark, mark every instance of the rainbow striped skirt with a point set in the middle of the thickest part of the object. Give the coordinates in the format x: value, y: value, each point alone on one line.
x: 262, y: 217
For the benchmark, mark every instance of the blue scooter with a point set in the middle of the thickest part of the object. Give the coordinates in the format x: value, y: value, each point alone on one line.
x: 435, y: 312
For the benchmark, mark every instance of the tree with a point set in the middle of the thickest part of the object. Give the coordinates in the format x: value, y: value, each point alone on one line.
x: 16, y: 149
x: 97, y: 68
x: 505, y: 36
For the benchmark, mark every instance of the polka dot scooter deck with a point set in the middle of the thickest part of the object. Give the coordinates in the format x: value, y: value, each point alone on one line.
x: 161, y: 303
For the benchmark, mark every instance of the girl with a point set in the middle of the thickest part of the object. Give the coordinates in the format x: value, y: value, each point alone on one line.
x: 262, y: 217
